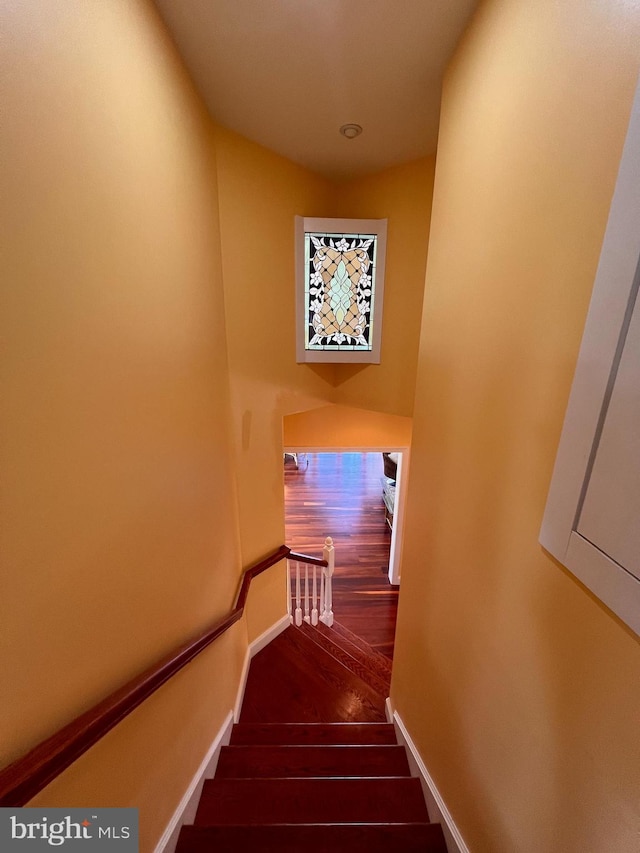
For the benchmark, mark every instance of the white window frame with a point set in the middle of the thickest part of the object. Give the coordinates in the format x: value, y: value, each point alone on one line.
x: 305, y: 225
x: 611, y: 305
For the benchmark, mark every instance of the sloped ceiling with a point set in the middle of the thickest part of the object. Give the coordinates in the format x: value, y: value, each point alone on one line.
x: 288, y: 73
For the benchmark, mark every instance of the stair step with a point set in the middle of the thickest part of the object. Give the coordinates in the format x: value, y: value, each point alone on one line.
x: 314, y: 838
x: 382, y: 661
x: 263, y: 801
x: 313, y: 733
x: 362, y: 663
x: 298, y: 680
x: 277, y: 761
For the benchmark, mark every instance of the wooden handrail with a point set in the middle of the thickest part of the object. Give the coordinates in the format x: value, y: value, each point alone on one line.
x: 22, y: 780
x: 303, y: 558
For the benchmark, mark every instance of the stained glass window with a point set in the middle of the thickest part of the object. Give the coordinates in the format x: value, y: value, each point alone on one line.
x: 340, y: 278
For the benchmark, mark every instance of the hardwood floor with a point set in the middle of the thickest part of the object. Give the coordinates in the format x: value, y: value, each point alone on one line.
x: 340, y: 495
x: 294, y: 680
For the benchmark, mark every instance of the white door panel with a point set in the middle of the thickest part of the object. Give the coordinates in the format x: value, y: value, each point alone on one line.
x: 610, y: 516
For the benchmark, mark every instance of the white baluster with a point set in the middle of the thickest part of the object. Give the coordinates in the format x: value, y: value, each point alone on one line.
x: 328, y: 554
x: 322, y: 594
x: 306, y: 593
x: 314, y: 612
x: 298, y: 618
x: 289, y: 591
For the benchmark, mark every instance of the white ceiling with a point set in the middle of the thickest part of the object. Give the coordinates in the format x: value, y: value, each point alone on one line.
x: 288, y: 73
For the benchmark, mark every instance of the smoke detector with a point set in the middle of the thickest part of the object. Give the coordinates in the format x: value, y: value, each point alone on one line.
x: 350, y: 131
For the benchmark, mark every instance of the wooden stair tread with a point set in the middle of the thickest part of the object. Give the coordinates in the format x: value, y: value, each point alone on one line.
x: 272, y: 761
x: 294, y: 678
x: 313, y: 733
x: 330, y: 800
x: 314, y: 838
x: 362, y: 663
x: 382, y: 661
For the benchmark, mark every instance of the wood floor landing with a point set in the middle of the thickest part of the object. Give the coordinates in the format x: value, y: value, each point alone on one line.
x: 340, y: 495
x: 354, y: 653
x: 294, y: 680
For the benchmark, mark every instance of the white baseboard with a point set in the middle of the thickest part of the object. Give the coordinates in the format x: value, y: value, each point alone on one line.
x: 256, y: 646
x: 270, y: 634
x: 186, y: 811
x: 388, y: 709
x: 436, y: 806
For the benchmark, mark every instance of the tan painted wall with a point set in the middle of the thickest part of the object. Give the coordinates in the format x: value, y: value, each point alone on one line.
x: 344, y: 428
x: 120, y: 533
x: 403, y: 195
x: 520, y: 689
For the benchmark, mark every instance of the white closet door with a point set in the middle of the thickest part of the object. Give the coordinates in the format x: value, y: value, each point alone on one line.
x: 610, y: 516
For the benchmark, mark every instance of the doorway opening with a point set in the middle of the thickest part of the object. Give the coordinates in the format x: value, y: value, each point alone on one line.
x: 342, y: 495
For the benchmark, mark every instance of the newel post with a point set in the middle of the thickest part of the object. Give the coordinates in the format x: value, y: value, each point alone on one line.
x: 328, y: 554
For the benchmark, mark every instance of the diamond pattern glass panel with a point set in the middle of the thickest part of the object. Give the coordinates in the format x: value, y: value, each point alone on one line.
x: 340, y: 273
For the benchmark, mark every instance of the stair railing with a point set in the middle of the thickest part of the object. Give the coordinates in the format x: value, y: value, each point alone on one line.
x: 310, y: 591
x: 22, y: 780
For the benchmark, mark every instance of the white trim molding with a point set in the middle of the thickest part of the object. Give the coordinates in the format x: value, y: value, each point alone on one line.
x: 436, y: 806
x: 388, y: 709
x: 186, y: 811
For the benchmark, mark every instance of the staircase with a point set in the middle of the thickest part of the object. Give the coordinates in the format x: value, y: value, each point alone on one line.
x: 354, y: 653
x: 333, y: 780
x: 292, y: 787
